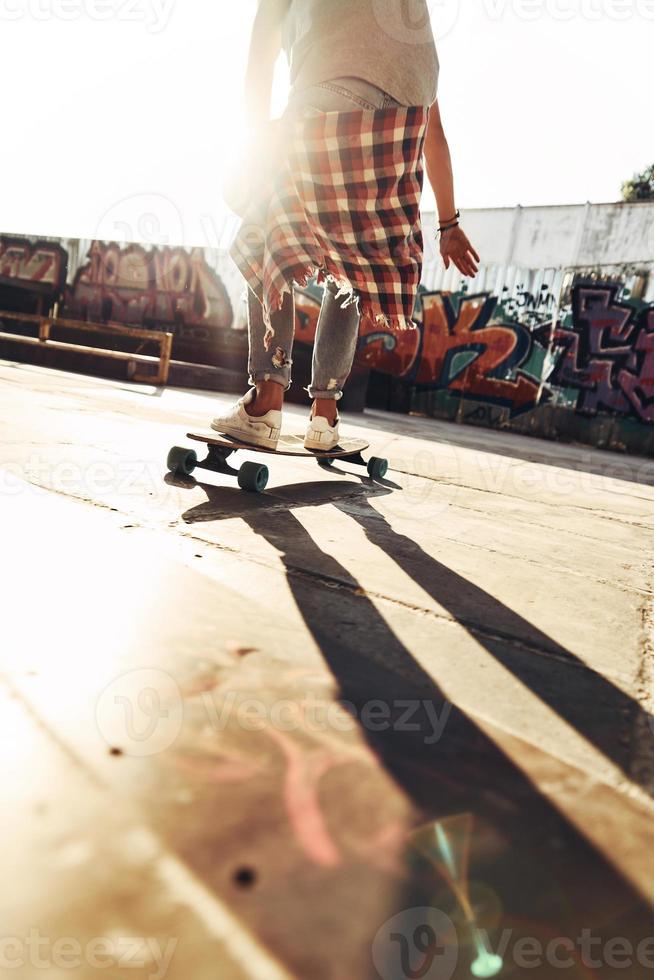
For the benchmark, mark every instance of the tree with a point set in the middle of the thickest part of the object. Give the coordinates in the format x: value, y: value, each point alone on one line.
x: 640, y: 187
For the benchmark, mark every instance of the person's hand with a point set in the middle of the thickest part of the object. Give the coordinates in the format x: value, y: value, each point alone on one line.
x: 456, y: 248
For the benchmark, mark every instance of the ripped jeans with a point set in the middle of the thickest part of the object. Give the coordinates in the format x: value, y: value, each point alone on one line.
x: 338, y: 329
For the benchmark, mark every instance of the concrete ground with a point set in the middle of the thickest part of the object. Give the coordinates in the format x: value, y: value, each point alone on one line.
x: 340, y: 730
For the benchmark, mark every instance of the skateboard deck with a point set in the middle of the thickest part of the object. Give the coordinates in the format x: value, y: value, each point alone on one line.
x: 287, y: 446
x: 254, y: 476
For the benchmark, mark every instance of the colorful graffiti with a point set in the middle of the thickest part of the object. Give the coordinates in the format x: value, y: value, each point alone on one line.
x: 39, y: 266
x: 466, y: 345
x: 598, y: 357
x: 465, y: 352
x: 391, y: 353
x: 526, y: 306
x: 490, y: 358
x: 164, y: 287
x: 606, y: 354
x: 478, y: 347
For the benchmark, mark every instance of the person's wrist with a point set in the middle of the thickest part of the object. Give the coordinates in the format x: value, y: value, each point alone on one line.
x: 448, y: 228
x: 449, y: 223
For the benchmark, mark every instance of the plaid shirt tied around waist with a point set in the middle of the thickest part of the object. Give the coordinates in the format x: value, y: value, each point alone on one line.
x: 340, y: 200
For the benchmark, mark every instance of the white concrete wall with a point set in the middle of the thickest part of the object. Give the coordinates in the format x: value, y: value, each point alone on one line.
x: 521, y: 248
x: 525, y: 246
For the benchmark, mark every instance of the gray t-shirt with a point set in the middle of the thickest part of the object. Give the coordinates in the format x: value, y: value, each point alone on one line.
x: 389, y: 43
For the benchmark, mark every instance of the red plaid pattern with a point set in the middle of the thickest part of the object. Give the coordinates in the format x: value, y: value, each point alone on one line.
x: 342, y: 202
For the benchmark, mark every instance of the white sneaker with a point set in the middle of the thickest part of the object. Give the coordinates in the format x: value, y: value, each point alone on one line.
x: 320, y: 434
x: 257, y: 431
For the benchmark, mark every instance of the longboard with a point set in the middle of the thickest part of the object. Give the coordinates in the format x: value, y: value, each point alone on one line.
x: 254, y: 476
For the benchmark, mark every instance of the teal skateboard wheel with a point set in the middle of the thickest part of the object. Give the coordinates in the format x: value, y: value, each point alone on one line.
x: 253, y: 477
x: 377, y: 468
x: 182, y: 461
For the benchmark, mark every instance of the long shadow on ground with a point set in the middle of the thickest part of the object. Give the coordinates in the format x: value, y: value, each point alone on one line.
x: 549, y: 876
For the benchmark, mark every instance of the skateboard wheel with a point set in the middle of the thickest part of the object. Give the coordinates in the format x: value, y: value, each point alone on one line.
x: 253, y: 477
x: 377, y: 468
x: 182, y: 461
x: 326, y: 462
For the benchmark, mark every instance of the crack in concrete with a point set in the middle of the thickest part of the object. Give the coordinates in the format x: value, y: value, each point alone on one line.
x: 642, y: 769
x: 642, y: 766
x: 335, y: 582
x: 612, y: 779
x: 354, y: 589
x: 547, y: 566
x: 516, y: 519
x: 77, y: 760
x: 596, y: 511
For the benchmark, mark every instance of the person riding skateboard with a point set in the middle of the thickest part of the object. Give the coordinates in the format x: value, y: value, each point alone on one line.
x: 341, y: 197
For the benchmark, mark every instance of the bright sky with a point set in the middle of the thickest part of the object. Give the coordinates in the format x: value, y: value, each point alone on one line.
x: 119, y: 116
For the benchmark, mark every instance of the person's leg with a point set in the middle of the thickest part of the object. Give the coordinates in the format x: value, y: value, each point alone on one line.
x: 338, y: 328
x: 257, y: 417
x: 333, y: 353
x: 270, y: 369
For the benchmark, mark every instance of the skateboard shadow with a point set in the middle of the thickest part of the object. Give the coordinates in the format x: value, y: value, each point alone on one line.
x: 230, y: 502
x: 367, y: 649
x: 599, y: 710
x: 462, y: 770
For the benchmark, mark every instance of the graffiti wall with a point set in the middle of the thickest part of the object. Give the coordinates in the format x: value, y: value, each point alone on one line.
x: 161, y: 288
x: 605, y: 354
x: 507, y: 360
x: 38, y: 267
x: 166, y: 288
x: 539, y: 351
x: 511, y: 362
